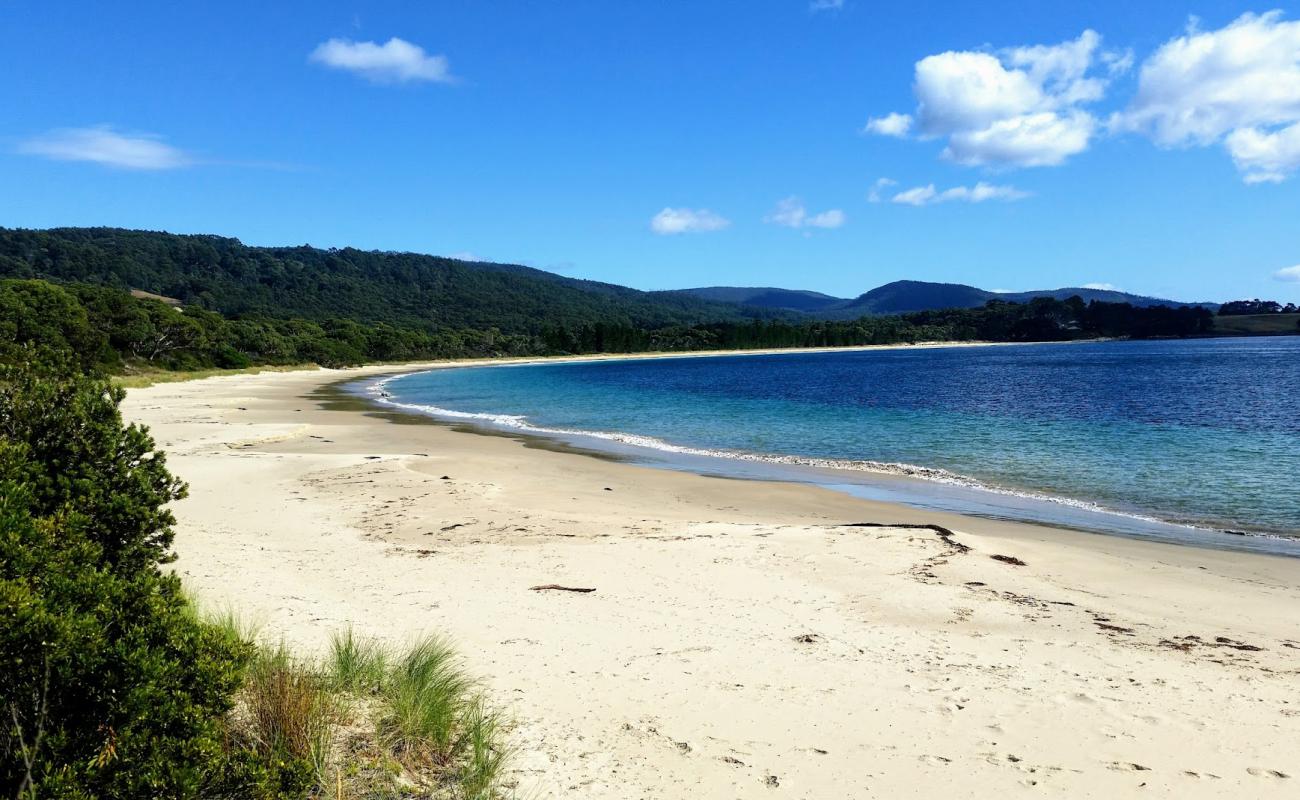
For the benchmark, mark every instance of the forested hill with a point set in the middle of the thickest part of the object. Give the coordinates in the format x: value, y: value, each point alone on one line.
x: 903, y: 297
x: 768, y: 297
x: 405, y: 289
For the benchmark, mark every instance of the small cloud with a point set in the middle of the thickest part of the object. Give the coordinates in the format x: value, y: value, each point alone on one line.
x: 104, y: 145
x: 881, y: 184
x: 464, y: 255
x: 1263, y: 156
x: 1105, y: 287
x: 791, y: 213
x: 1002, y: 291
x: 892, y: 124
x: 1117, y: 62
x: 395, y: 61
x: 833, y: 218
x: 672, y: 221
x: 1288, y: 274
x: 917, y: 196
x: 979, y: 193
x: 825, y: 5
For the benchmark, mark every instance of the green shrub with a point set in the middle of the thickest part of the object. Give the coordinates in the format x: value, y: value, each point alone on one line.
x: 64, y: 441
x: 110, y: 686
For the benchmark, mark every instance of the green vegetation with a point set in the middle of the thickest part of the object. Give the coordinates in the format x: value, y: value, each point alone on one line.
x: 109, y: 330
x: 1258, y: 324
x: 402, y: 290
x: 1256, y: 306
x: 113, y: 685
x: 250, y: 306
x: 357, y: 665
x: 111, y: 689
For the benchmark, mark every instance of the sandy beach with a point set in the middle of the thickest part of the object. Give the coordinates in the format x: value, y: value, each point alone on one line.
x: 745, y: 638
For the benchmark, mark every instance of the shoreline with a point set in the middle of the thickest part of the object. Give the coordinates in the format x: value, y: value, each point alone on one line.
x: 855, y: 477
x: 745, y: 638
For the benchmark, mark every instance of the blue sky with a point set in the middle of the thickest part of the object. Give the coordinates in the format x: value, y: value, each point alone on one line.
x: 1150, y: 146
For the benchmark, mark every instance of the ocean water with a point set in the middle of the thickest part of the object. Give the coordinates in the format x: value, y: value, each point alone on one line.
x: 1127, y: 437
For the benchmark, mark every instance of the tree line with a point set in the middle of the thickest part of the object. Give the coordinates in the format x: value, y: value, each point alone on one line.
x: 108, y: 330
x: 404, y: 290
x: 1256, y: 306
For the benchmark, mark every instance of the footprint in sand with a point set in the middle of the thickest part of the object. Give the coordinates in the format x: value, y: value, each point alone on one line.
x: 1127, y: 766
x: 1260, y: 772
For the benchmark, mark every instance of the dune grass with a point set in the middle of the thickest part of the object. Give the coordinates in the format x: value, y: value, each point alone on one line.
x: 290, y: 713
x: 427, y: 695
x: 356, y: 665
x: 367, y: 720
x: 486, y: 757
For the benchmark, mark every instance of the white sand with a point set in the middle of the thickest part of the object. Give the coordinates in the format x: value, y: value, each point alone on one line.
x: 741, y: 643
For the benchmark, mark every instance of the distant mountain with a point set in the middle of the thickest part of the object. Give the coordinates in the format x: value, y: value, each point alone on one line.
x: 901, y: 297
x: 767, y: 297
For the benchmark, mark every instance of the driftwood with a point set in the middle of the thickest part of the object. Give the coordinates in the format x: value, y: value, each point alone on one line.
x: 557, y: 587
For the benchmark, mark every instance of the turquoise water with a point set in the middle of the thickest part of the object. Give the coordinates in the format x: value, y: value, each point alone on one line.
x: 1194, y: 432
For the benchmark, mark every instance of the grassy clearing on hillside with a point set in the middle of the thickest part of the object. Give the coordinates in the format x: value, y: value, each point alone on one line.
x: 1258, y: 323
x: 367, y: 721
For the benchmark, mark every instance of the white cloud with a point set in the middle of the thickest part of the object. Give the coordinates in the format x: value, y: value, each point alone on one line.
x: 395, y: 61
x: 104, y: 145
x: 1117, y: 63
x: 687, y: 220
x: 1105, y: 287
x: 881, y: 184
x: 918, y: 196
x: 1017, y: 107
x: 1239, y: 85
x: 1045, y: 139
x: 791, y: 213
x: 464, y: 255
x: 979, y: 193
x: 1289, y: 274
x: 832, y: 218
x: 893, y: 124
x: 825, y: 5
x: 1264, y: 157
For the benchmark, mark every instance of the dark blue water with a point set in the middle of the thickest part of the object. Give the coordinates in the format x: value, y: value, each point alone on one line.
x: 1203, y: 432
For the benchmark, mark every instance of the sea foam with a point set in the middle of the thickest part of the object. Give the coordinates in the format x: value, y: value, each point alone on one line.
x: 520, y: 423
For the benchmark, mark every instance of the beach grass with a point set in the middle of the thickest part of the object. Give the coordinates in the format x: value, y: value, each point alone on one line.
x: 356, y: 665
x: 429, y: 698
x: 366, y: 720
x: 486, y: 757
x: 289, y: 711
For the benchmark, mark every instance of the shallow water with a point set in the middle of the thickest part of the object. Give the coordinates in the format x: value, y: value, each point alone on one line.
x: 1199, y: 432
